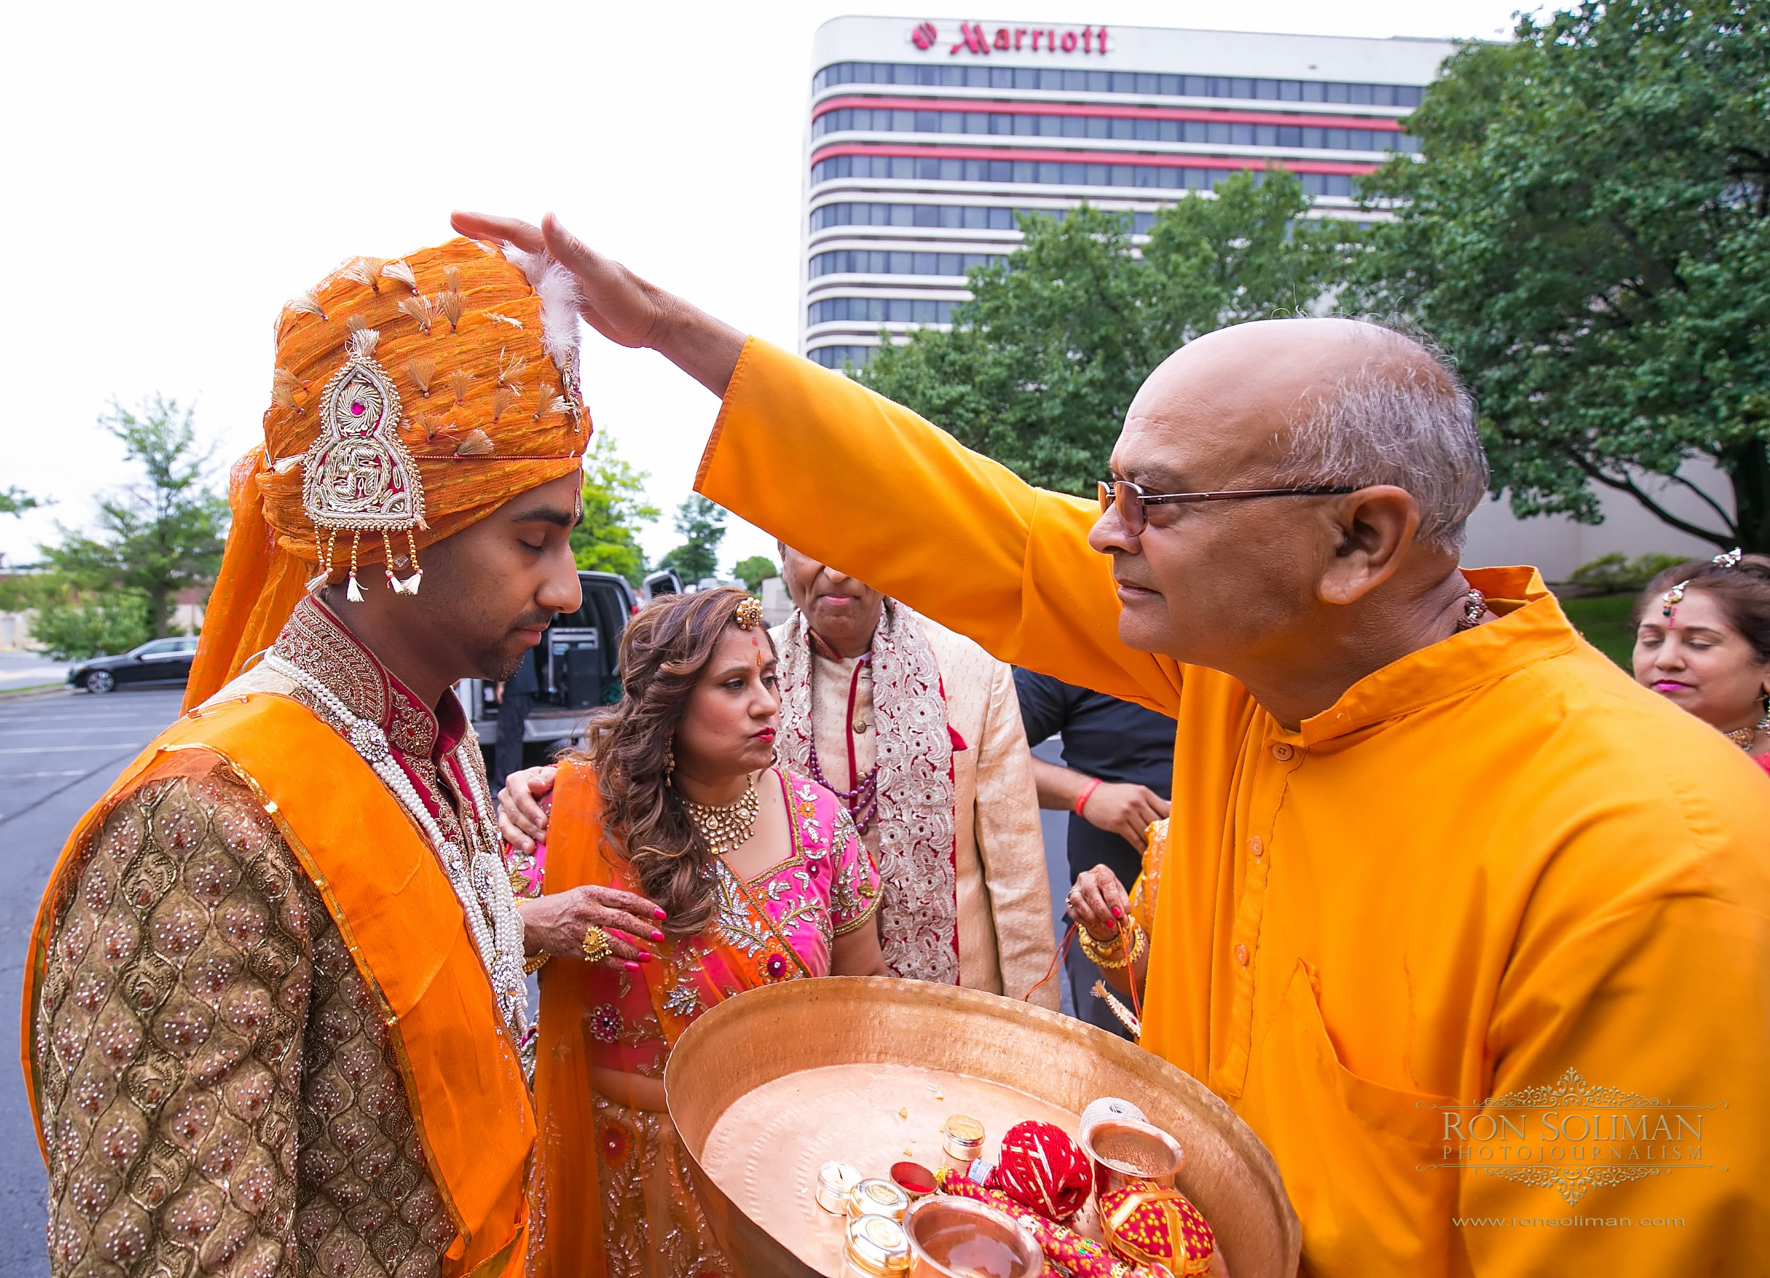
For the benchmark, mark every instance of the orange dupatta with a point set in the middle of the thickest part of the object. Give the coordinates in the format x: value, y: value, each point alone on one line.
x: 399, y: 916
x: 571, y: 1200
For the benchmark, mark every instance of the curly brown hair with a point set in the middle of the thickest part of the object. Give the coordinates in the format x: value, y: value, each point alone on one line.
x: 663, y: 652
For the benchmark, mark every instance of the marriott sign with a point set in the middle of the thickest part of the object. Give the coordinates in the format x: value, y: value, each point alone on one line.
x: 975, y: 38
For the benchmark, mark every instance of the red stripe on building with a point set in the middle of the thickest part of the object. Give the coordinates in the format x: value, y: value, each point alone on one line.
x: 953, y: 105
x: 1095, y: 157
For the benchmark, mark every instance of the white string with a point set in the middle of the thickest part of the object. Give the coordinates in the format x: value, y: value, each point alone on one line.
x: 481, y: 883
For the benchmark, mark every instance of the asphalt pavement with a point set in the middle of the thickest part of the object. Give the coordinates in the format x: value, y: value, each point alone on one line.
x: 58, y: 753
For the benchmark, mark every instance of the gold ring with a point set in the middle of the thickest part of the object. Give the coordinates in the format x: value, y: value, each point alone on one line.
x: 596, y: 944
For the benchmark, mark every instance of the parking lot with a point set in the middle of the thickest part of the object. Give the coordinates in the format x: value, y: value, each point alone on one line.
x: 58, y: 753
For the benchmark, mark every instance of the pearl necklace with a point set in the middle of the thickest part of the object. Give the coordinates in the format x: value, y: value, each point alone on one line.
x: 481, y: 883
x: 728, y: 828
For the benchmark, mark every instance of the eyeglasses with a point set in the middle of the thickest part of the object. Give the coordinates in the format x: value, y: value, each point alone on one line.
x: 1130, y: 499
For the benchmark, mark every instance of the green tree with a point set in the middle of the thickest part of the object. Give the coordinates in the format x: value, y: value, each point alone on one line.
x: 701, y: 523
x: 614, y: 509
x: 754, y: 571
x: 1039, y: 368
x: 112, y: 624
x: 159, y: 535
x: 1588, y: 233
x: 15, y: 501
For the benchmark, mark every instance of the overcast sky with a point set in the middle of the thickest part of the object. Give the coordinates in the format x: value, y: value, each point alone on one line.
x: 178, y: 170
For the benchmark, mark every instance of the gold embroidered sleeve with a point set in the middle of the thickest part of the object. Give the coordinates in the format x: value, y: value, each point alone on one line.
x: 168, y: 1047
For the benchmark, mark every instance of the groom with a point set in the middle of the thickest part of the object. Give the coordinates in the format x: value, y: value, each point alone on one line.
x: 276, y: 991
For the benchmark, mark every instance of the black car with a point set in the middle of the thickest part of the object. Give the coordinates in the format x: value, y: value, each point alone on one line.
x: 156, y: 661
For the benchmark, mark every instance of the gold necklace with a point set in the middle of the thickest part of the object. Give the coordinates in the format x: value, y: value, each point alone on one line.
x: 728, y: 828
x: 1743, y: 737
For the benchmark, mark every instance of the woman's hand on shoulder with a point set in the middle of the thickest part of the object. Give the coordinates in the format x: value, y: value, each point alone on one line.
x: 521, y: 818
x: 556, y: 924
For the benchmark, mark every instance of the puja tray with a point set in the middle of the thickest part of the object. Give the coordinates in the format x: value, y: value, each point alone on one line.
x: 766, y: 1087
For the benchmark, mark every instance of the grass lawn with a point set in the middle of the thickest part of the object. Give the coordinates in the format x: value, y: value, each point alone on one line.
x: 1604, y: 621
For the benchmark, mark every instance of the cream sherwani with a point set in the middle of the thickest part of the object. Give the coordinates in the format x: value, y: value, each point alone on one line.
x: 1005, y: 934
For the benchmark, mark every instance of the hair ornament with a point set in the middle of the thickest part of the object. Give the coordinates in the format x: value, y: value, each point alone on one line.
x: 477, y: 444
x: 749, y: 613
x: 358, y: 476
x: 283, y: 385
x: 402, y: 272
x: 1728, y: 560
x: 448, y: 305
x: 306, y: 304
x: 1672, y: 598
x: 419, y: 308
x: 362, y: 340
x: 510, y: 370
x: 366, y: 270
x: 423, y: 373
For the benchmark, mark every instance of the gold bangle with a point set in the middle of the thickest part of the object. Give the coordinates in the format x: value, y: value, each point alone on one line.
x: 1126, y: 949
x: 596, y: 944
x: 534, y: 963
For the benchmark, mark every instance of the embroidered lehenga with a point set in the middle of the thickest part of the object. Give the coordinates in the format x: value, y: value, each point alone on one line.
x: 614, y: 1185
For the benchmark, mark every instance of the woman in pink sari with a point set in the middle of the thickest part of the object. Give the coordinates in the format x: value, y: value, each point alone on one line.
x: 755, y: 875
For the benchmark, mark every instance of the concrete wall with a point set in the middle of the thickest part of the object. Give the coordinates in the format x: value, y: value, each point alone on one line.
x: 1557, y: 545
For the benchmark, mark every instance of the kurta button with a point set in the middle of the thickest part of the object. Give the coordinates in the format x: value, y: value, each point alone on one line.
x: 1256, y: 847
x: 1241, y: 955
x: 1282, y: 751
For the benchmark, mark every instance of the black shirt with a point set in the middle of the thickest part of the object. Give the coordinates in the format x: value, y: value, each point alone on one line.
x: 1106, y: 738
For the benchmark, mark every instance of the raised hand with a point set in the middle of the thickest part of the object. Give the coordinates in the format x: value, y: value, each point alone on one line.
x: 618, y: 304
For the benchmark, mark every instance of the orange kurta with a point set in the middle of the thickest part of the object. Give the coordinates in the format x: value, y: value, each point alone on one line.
x: 1490, y: 863
x: 404, y: 927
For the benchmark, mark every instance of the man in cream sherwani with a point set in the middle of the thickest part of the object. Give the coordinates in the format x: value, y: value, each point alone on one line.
x: 918, y: 731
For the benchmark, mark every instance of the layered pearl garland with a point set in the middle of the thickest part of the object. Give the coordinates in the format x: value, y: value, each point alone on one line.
x: 481, y: 883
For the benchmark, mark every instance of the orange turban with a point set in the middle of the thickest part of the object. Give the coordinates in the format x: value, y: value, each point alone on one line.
x: 464, y: 359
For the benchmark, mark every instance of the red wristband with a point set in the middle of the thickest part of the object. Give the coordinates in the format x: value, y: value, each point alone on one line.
x: 1082, y: 798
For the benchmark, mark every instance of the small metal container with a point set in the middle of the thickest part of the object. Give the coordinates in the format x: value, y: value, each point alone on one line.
x: 876, y: 1197
x: 875, y: 1247
x: 958, y: 1238
x: 961, y: 1140
x: 834, y: 1181
x: 1123, y: 1151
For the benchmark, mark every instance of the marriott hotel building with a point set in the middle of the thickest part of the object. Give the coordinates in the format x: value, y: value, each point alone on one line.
x: 925, y: 138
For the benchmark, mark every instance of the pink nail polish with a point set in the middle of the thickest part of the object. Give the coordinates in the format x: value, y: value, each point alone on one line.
x: 657, y: 936
x: 632, y: 967
x: 644, y: 957
x: 659, y: 914
x: 1116, y: 914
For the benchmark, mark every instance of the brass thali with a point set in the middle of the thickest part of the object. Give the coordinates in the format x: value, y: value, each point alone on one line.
x: 767, y: 1086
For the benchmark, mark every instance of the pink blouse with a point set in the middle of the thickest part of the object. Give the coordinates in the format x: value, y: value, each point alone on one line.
x: 825, y: 887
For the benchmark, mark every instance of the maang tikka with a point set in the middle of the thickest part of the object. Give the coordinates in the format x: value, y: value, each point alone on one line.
x: 358, y: 476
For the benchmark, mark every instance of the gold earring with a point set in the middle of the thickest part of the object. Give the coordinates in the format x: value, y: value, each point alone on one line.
x: 669, y: 764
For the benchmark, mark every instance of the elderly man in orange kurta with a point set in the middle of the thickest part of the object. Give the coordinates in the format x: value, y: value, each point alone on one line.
x: 275, y: 999
x: 1434, y: 862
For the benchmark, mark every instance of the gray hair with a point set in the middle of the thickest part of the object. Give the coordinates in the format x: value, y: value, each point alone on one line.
x: 1409, y: 422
